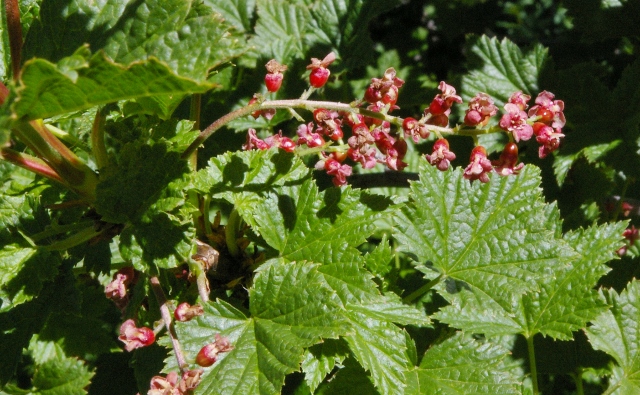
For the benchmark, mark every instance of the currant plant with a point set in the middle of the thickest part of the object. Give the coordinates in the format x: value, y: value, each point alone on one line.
x: 145, y: 249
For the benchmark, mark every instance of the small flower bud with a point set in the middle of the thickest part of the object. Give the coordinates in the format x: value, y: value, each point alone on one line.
x: 185, y: 312
x: 134, y: 337
x: 208, y: 354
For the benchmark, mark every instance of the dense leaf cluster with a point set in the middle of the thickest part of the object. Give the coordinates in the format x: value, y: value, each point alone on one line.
x: 438, y: 285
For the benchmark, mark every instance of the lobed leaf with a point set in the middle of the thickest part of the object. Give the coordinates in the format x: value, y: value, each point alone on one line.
x: 494, y: 238
x: 616, y: 332
x: 84, y: 80
x: 461, y: 365
x: 291, y: 308
x: 502, y: 69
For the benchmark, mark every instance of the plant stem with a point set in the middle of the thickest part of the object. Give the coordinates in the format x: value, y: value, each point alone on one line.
x: 532, y: 365
x: 230, y: 233
x: 577, y: 377
x: 421, y: 291
x: 31, y: 163
x: 166, y: 317
x: 97, y: 140
x: 14, y: 29
x: 76, y: 239
x: 76, y: 174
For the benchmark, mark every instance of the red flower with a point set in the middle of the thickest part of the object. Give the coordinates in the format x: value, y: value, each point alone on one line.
x: 506, y: 165
x: 547, y: 137
x: 319, y: 72
x: 441, y: 157
x: 208, y: 354
x: 414, y: 129
x: 550, y: 111
x: 134, y: 337
x: 481, y: 108
x: 274, y: 77
x: 520, y: 99
x: 384, y: 89
x: 479, y: 166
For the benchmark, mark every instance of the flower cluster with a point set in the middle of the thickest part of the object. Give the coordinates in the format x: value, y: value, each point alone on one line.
x: 170, y: 385
x: 134, y: 337
x: 118, y: 289
x: 376, y: 138
x: 631, y: 235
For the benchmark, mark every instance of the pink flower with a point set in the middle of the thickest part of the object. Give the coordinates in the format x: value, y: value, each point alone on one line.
x: 515, y: 121
x: 328, y: 123
x: 280, y: 141
x: 441, y: 157
x: 550, y: 111
x: 479, y: 166
x: 384, y: 89
x: 190, y: 380
x: 547, y: 137
x: 393, y: 149
x: 185, y: 312
x: 208, y: 354
x: 165, y: 385
x: 481, y: 108
x: 414, y: 129
x: 339, y: 171
x: 440, y: 107
x: 631, y: 235
x: 360, y: 146
x: 520, y: 99
x: 253, y: 142
x: 506, y: 165
x: 117, y: 289
x: 134, y: 337
x: 307, y: 136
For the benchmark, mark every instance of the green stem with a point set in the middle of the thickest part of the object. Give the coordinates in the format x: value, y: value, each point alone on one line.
x: 612, y: 389
x: 421, y: 291
x: 577, y: 377
x: 74, y: 240
x: 67, y: 137
x: 532, y: 365
x: 80, y: 177
x: 56, y: 229
x: 192, y: 196
x: 97, y: 140
x: 14, y: 30
x: 230, y: 233
x: 31, y: 163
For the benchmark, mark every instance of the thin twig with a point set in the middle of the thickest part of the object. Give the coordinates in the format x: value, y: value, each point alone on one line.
x: 166, y: 317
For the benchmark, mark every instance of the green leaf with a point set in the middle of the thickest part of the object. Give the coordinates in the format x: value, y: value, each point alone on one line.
x: 64, y: 376
x: 351, y: 379
x: 344, y: 25
x: 593, y: 153
x: 567, y: 302
x: 186, y: 35
x: 381, y: 349
x: 291, y: 308
x: 320, y: 359
x: 460, y: 366
x: 280, y: 29
x: 47, y: 89
x: 495, y: 238
x: 23, y: 271
x: 303, y: 223
x: 501, y: 68
x: 238, y: 13
x: 616, y: 332
x: 129, y: 187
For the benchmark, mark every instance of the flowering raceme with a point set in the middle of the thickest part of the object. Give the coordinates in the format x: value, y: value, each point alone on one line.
x: 379, y: 138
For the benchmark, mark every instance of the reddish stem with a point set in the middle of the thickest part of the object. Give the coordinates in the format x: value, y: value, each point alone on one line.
x: 30, y: 163
x: 166, y: 317
x: 14, y: 28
